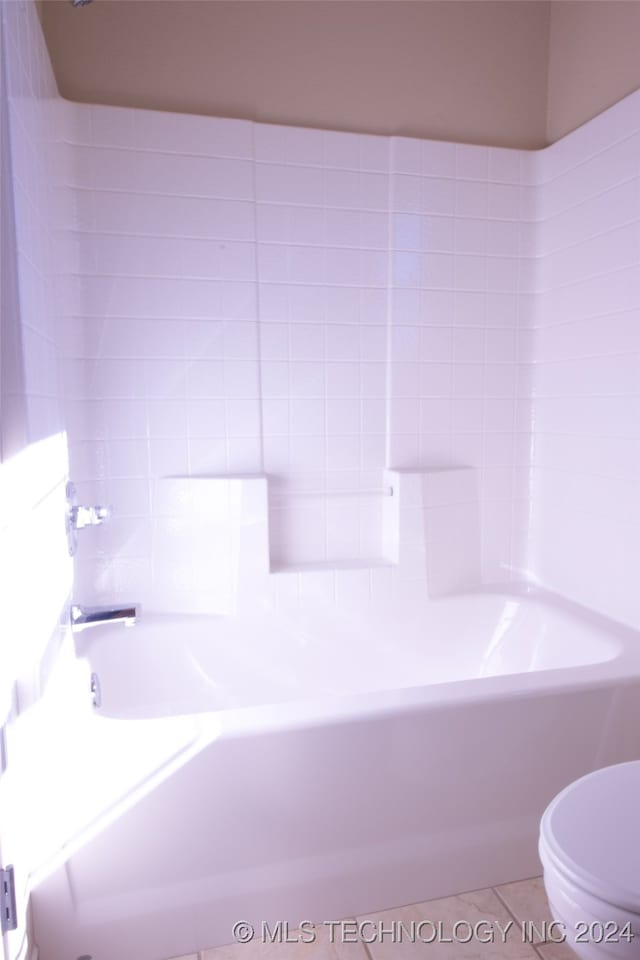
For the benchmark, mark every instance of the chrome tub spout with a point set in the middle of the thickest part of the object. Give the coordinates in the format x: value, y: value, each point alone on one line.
x: 84, y: 617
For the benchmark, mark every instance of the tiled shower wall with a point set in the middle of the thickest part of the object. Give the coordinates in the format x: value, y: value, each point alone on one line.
x: 585, y: 524
x: 305, y: 304
x: 33, y: 554
x: 322, y: 253
x: 314, y: 305
x: 461, y: 272
x: 31, y: 101
x: 165, y: 300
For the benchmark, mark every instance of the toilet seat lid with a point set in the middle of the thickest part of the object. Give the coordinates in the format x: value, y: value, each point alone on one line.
x: 592, y: 832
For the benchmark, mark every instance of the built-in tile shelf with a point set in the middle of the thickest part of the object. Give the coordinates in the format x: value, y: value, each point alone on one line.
x: 331, y: 565
x: 327, y: 529
x: 214, y: 532
x: 296, y: 494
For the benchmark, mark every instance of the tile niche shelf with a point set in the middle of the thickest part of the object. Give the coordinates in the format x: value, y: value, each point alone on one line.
x: 216, y: 532
x: 323, y: 566
x: 323, y: 530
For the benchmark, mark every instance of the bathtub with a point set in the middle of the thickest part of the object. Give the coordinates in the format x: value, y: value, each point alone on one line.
x: 322, y: 766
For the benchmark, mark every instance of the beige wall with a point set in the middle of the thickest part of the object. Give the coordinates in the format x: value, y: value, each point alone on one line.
x: 506, y: 72
x: 467, y: 71
x: 594, y: 59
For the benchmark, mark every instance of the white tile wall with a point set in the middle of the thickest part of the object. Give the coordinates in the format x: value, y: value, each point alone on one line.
x: 318, y: 306
x: 31, y: 118
x: 585, y: 523
x: 311, y: 305
x: 165, y: 293
x: 461, y: 246
x: 322, y: 247
x: 32, y: 441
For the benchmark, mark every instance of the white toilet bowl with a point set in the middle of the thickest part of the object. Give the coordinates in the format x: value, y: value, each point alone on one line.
x: 590, y: 851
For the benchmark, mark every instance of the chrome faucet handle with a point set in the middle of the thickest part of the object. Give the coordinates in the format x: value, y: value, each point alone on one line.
x: 89, y: 516
x: 79, y: 517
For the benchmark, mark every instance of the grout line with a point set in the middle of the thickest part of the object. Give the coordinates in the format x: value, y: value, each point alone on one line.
x: 257, y: 307
x: 319, y: 165
x: 389, y: 306
x: 517, y: 476
x: 506, y: 905
x: 98, y: 318
x: 444, y: 251
x: 588, y: 238
x: 548, y: 219
x: 367, y: 950
x: 580, y: 281
x: 512, y: 915
x: 325, y: 400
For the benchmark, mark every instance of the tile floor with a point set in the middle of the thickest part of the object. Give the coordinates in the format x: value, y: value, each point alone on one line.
x: 494, y: 910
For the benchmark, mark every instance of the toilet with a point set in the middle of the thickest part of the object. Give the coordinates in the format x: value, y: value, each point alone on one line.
x: 590, y: 852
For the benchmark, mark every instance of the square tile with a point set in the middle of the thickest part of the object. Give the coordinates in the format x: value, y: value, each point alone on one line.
x: 527, y: 902
x: 443, y: 926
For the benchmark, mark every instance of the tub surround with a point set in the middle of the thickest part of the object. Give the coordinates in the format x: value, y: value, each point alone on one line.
x: 312, y: 306
x: 584, y: 530
x: 317, y: 307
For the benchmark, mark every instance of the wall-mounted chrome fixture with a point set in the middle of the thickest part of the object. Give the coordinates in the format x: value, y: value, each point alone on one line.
x: 78, y: 517
x: 79, y: 3
x: 84, y: 617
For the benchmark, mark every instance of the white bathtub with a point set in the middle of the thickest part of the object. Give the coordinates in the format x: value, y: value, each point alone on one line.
x: 316, y: 769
